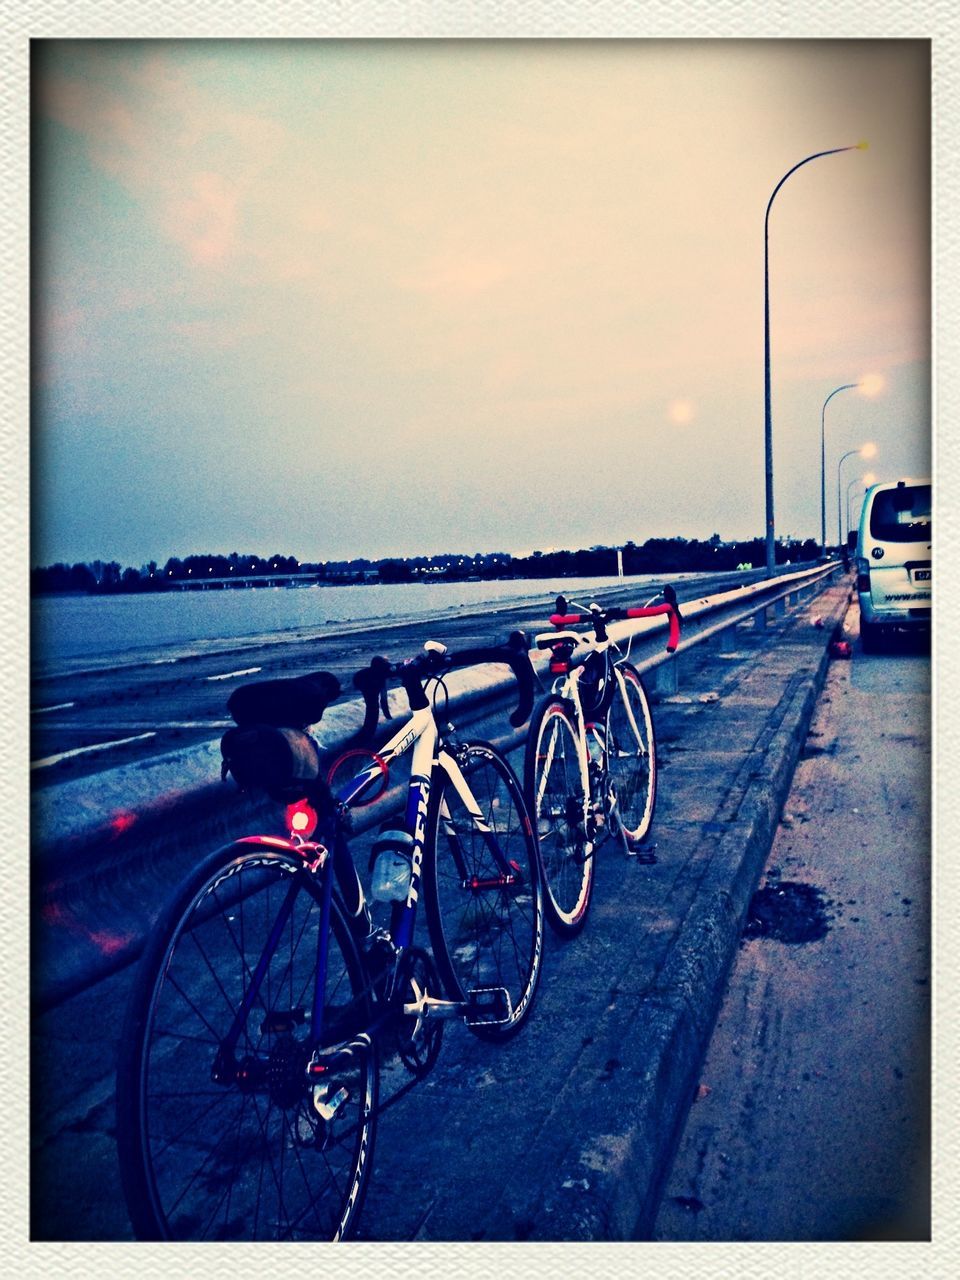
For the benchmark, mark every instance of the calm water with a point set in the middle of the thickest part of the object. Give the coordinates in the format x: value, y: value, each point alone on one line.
x: 67, y: 628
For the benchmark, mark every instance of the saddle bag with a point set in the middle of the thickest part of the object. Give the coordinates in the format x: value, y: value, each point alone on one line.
x: 262, y: 757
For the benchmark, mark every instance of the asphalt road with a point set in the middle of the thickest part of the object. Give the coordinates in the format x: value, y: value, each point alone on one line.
x: 550, y: 1136
x: 812, y: 1121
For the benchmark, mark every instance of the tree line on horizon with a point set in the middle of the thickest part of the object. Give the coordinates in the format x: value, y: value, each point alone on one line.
x: 656, y: 555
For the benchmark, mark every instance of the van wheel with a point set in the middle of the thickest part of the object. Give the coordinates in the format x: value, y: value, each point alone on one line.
x: 869, y: 636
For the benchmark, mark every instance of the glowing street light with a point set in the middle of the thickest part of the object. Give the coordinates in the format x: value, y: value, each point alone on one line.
x: 767, y: 420
x: 872, y: 383
x: 868, y: 450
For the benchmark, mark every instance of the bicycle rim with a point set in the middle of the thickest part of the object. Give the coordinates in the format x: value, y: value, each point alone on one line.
x: 631, y: 755
x: 554, y: 790
x: 485, y: 933
x: 257, y: 1155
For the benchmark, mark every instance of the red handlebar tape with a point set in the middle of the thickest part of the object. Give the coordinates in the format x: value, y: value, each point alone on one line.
x: 577, y: 619
x: 674, y: 637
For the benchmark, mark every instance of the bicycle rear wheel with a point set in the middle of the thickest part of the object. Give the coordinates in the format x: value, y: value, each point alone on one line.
x: 485, y: 911
x: 221, y: 1145
x: 632, y: 754
x: 553, y: 784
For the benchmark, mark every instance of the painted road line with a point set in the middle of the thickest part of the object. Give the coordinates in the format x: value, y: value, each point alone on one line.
x: 152, y: 724
x: 194, y: 724
x: 231, y: 675
x: 61, y: 706
x: 82, y: 751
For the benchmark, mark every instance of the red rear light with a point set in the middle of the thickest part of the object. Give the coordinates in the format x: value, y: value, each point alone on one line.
x: 301, y: 819
x: 560, y: 659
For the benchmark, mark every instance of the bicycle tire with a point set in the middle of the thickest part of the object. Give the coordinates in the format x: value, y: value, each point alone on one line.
x: 483, y: 935
x: 632, y: 760
x: 553, y: 787
x: 229, y: 1161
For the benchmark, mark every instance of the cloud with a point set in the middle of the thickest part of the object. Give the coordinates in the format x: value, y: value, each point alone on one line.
x: 457, y: 275
x: 204, y: 217
x: 216, y: 334
x: 170, y: 145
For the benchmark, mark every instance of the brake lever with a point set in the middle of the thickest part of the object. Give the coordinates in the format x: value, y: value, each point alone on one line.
x: 372, y: 684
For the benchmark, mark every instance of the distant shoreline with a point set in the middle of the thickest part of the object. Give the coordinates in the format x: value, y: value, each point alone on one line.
x: 208, y: 572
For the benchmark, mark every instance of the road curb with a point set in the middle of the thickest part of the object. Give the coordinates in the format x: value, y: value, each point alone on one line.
x: 659, y: 1038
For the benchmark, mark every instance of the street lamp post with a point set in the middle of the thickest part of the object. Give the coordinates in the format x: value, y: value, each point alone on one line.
x: 865, y: 451
x: 855, y: 480
x: 866, y: 480
x: 847, y: 386
x: 767, y: 420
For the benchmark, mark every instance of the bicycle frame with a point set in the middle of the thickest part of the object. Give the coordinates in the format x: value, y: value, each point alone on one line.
x: 421, y: 733
x: 568, y: 687
x: 268, y: 992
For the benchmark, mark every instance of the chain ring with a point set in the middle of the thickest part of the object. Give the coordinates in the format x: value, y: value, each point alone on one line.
x: 417, y: 1046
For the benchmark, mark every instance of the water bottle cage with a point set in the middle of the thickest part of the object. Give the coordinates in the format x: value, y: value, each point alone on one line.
x: 391, y: 862
x: 402, y: 841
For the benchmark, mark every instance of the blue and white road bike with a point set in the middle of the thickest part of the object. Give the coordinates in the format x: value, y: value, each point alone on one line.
x: 248, y: 1081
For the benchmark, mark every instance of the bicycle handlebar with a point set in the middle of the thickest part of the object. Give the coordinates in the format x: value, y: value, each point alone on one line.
x: 615, y: 613
x: 372, y: 680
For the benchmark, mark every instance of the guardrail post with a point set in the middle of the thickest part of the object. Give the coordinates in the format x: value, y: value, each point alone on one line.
x: 779, y: 607
x: 726, y: 638
x: 665, y: 678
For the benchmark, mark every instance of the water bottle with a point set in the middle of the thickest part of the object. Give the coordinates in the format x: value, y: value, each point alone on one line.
x: 392, y: 856
x: 595, y: 744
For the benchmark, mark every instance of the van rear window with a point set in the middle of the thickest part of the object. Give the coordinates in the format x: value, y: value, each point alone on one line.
x: 901, y: 515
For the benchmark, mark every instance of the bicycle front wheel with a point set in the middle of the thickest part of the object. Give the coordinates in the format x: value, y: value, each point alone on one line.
x: 553, y: 784
x: 221, y: 1134
x: 481, y: 879
x: 632, y: 754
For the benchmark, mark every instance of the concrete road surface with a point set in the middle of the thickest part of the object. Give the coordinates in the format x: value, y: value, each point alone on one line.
x: 812, y: 1121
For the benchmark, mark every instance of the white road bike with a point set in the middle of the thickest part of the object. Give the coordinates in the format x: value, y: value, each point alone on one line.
x: 590, y: 769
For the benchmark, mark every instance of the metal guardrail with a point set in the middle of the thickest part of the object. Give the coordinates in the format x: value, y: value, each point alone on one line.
x: 718, y: 615
x: 108, y: 849
x: 133, y: 800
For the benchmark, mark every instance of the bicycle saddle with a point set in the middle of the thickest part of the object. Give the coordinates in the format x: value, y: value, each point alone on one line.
x: 290, y: 703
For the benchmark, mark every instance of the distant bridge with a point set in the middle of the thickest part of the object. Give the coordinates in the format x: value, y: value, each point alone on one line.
x: 248, y: 580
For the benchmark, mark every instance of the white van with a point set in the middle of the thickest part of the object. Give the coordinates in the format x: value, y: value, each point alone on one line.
x: 894, y: 542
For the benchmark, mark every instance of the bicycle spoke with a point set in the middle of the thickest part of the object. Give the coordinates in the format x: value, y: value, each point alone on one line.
x: 555, y: 787
x: 249, y: 1157
x: 631, y: 755
x: 488, y: 932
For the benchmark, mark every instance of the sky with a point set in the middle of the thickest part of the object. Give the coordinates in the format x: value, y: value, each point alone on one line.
x: 335, y: 299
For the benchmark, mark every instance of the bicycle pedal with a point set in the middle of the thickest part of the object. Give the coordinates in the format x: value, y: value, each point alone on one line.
x: 327, y: 1100
x: 488, y: 1006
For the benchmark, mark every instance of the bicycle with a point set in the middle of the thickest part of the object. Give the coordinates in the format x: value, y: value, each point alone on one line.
x: 248, y: 1080
x: 590, y: 766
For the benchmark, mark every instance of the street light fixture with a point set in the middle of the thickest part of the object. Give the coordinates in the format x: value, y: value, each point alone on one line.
x: 867, y: 450
x: 767, y: 420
